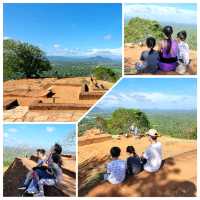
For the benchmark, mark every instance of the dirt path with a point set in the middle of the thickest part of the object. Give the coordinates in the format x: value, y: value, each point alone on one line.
x: 132, y: 55
x: 93, y: 156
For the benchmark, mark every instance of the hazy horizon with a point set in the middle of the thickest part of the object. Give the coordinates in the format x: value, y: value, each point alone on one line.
x: 166, y: 12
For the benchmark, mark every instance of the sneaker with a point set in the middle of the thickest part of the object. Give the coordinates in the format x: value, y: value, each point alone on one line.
x: 39, y: 194
x: 21, y: 188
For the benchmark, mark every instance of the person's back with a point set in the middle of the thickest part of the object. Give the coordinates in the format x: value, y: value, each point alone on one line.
x: 183, y: 48
x: 133, y: 162
x: 117, y: 171
x: 168, y: 60
x: 183, y: 52
x: 168, y: 51
x: 133, y: 165
x: 153, y: 155
x: 151, y: 60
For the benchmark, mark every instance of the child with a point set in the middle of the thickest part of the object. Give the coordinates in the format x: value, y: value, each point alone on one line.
x: 134, y: 165
x: 183, y: 53
x: 116, y: 169
x: 153, y: 154
x: 51, y: 176
x: 149, y: 59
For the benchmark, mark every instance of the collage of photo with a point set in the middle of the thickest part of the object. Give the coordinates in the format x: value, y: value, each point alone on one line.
x: 100, y: 100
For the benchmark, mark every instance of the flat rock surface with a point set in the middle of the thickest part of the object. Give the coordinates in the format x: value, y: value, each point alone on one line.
x: 94, y: 156
x: 66, y: 91
x: 16, y: 172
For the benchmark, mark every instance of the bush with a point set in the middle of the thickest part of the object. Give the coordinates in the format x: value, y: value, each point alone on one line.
x: 105, y: 74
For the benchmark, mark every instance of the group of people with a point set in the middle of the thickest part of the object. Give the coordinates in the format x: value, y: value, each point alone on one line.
x: 46, y: 172
x: 171, y: 55
x: 134, y: 130
x: 118, y: 170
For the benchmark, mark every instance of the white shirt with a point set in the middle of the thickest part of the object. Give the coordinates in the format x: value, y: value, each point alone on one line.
x: 116, y: 170
x: 183, y: 52
x: 153, y: 154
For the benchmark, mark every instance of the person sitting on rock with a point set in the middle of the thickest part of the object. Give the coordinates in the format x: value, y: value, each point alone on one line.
x: 149, y: 58
x: 168, y: 49
x: 134, y: 164
x: 116, y: 169
x: 52, y: 176
x: 153, y: 154
x: 30, y: 183
x: 41, y: 155
x: 183, y: 53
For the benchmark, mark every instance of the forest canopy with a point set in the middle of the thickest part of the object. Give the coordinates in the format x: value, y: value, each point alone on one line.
x: 120, y: 121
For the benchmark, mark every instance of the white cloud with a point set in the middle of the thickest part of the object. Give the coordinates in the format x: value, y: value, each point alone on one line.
x: 12, y: 130
x: 161, y: 13
x: 107, y: 37
x: 147, y: 100
x: 106, y: 52
x: 50, y: 129
x: 6, y: 38
x: 56, y: 46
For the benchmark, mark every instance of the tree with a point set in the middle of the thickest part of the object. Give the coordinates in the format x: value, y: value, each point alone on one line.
x: 25, y: 59
x: 138, y: 29
x: 69, y: 143
x: 101, y: 124
x: 122, y: 119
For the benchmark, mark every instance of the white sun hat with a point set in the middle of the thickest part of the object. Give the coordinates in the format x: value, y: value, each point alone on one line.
x: 153, y: 133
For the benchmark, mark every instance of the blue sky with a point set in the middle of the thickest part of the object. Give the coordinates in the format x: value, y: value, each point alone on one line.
x: 66, y: 29
x: 152, y: 93
x: 176, y: 13
x: 39, y: 135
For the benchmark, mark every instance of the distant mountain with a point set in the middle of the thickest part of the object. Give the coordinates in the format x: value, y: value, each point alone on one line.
x: 97, y: 109
x: 95, y: 59
x: 99, y: 59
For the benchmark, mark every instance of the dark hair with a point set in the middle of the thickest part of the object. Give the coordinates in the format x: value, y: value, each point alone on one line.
x: 168, y: 31
x: 182, y: 35
x: 154, y: 137
x: 42, y: 151
x: 37, y: 150
x: 57, y: 148
x: 130, y: 149
x: 151, y: 43
x: 115, y: 152
x: 56, y: 159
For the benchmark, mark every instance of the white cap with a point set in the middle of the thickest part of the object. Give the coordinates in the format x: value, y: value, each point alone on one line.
x: 152, y: 132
